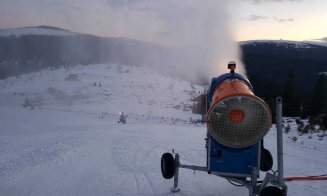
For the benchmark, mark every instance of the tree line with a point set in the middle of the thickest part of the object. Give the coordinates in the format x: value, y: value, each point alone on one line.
x: 298, y: 102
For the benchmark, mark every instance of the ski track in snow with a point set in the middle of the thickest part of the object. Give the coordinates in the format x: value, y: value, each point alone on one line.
x: 76, y: 147
x: 39, y: 155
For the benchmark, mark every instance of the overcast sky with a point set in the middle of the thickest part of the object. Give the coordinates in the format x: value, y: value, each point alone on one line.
x: 148, y: 19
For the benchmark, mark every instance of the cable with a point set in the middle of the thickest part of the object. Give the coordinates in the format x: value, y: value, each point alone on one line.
x: 234, y: 183
x: 319, y: 175
x: 305, y: 178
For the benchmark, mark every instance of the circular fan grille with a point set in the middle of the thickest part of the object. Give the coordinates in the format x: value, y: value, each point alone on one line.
x: 239, y: 121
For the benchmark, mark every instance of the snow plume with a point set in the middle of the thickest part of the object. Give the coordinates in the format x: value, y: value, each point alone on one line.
x: 198, y: 31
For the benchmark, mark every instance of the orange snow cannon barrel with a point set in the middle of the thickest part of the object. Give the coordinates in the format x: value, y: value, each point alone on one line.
x: 236, y: 117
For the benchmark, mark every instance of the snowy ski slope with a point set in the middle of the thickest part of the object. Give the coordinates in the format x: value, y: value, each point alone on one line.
x: 71, y: 144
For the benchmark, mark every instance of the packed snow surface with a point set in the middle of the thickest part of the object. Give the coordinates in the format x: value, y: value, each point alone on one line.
x: 66, y: 139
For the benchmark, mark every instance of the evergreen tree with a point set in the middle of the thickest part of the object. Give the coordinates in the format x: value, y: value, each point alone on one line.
x: 323, y: 125
x: 319, y: 100
x: 2, y: 73
x: 305, y: 108
x: 291, y: 102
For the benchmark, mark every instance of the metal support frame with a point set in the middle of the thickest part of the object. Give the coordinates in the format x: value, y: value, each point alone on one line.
x: 252, y: 185
x: 277, y: 179
x: 253, y: 182
x: 177, y: 164
x: 280, y: 159
x: 279, y: 124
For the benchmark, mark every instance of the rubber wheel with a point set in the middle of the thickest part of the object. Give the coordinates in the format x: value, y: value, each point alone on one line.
x: 271, y: 191
x: 167, y: 165
x: 266, y: 160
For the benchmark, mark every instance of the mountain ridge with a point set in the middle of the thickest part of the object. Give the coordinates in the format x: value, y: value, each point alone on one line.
x: 297, y: 44
x: 322, y: 42
x: 267, y: 62
x: 36, y: 30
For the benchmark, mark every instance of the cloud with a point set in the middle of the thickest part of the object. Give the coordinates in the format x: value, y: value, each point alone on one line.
x: 129, y: 3
x: 284, y: 19
x: 324, y: 39
x: 268, y: 1
x: 256, y: 18
x: 260, y: 17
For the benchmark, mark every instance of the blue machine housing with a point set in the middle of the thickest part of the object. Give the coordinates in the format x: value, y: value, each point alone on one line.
x: 227, y: 161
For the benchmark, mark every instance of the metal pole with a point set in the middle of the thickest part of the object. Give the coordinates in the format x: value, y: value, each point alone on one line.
x: 175, y: 188
x: 253, y: 182
x: 279, y: 121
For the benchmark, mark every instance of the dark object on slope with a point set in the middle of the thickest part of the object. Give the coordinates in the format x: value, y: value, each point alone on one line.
x: 167, y: 165
x: 271, y: 191
x: 266, y: 160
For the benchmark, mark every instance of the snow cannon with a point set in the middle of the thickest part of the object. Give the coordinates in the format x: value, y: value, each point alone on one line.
x: 236, y: 118
x: 237, y: 121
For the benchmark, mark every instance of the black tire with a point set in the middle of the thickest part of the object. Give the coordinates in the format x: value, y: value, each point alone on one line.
x: 271, y: 191
x: 266, y: 160
x: 167, y: 165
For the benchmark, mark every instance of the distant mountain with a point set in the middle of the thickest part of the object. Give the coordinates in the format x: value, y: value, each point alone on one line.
x: 286, y: 43
x: 270, y: 61
x: 38, y: 30
x: 33, y: 48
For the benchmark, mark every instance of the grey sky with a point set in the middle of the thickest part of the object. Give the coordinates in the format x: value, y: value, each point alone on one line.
x: 128, y: 17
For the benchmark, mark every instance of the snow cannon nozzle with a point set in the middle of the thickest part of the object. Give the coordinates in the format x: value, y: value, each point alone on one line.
x: 232, y: 66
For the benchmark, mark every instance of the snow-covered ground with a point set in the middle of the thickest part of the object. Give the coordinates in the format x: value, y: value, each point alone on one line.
x: 67, y: 141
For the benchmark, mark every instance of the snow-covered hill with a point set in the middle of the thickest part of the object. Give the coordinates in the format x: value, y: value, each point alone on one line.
x: 38, y: 30
x: 66, y: 140
x: 286, y: 43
